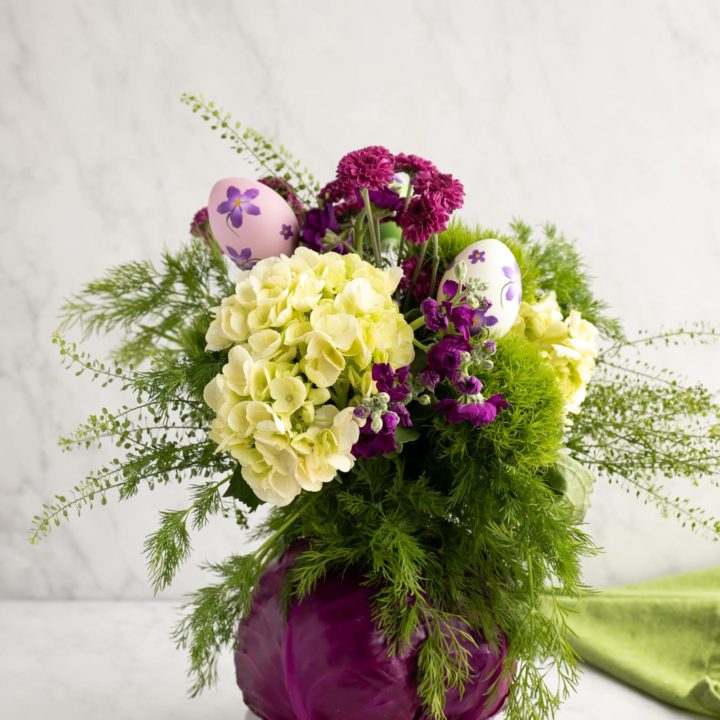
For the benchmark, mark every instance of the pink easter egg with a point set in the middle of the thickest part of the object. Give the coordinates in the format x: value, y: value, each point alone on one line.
x: 250, y: 221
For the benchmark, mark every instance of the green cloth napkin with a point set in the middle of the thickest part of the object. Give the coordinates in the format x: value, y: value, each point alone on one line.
x: 662, y: 636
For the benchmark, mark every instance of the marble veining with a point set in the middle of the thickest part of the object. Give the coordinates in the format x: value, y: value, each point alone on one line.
x: 601, y: 117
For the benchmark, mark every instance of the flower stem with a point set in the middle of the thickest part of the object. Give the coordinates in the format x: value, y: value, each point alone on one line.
x: 417, y: 322
x: 436, y: 262
x: 371, y: 224
x: 416, y: 274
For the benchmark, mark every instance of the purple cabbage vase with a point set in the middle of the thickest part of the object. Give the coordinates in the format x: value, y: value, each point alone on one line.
x: 328, y: 661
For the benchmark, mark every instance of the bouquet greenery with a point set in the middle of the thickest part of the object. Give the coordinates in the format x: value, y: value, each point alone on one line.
x: 425, y: 406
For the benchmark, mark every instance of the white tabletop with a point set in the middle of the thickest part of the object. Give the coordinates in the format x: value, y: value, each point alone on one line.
x: 115, y: 661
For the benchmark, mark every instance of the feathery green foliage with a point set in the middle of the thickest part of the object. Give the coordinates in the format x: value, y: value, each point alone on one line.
x: 647, y: 428
x: 270, y: 159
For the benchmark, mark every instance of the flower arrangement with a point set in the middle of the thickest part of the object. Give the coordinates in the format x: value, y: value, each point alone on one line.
x: 424, y: 407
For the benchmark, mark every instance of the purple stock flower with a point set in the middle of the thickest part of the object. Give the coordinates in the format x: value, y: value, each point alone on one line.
x: 371, y: 167
x: 386, y: 199
x: 463, y: 316
x: 446, y: 356
x: 403, y: 414
x: 512, y: 288
x: 482, y: 413
x: 371, y: 443
x: 237, y: 202
x: 394, y: 383
x: 468, y: 385
x: 317, y: 222
x: 430, y: 378
x: 242, y: 259
x: 450, y: 289
x: 435, y: 316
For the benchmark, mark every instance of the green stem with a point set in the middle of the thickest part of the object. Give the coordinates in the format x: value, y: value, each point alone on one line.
x: 418, y: 322
x: 357, y: 225
x: 436, y: 262
x: 266, y: 546
x: 371, y: 224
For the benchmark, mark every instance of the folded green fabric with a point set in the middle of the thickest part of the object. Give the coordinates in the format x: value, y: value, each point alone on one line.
x: 662, y: 637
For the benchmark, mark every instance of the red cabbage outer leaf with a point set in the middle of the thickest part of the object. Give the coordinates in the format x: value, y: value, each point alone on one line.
x: 328, y: 661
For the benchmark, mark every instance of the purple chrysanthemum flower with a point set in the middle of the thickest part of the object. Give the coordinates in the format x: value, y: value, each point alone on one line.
x: 412, y: 164
x: 237, y: 203
x: 371, y: 167
x: 443, y: 187
x: 335, y: 191
x: 242, y: 259
x: 423, y: 216
x: 200, y: 225
x: 482, y: 413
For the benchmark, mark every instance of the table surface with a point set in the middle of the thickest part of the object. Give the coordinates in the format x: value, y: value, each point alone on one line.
x: 115, y: 660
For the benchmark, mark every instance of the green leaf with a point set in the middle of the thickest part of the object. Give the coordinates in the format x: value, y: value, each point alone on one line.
x: 405, y: 435
x: 240, y: 490
x: 570, y: 478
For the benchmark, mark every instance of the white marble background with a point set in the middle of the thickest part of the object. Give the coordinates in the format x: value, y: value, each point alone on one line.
x: 602, y: 116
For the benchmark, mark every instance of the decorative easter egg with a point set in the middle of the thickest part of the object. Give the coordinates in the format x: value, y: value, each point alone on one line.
x: 491, y: 262
x: 250, y: 221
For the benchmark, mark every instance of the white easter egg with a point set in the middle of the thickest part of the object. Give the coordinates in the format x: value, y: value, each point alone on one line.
x: 492, y: 263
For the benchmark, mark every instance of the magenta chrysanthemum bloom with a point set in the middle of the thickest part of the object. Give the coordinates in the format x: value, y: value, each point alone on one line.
x: 448, y: 191
x: 200, y: 226
x: 412, y: 164
x: 423, y: 217
x: 371, y: 167
x: 335, y: 191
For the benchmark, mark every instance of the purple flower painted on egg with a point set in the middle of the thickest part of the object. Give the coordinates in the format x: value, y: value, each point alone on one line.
x: 237, y: 202
x: 476, y: 256
x: 286, y: 231
x: 242, y: 259
x: 512, y: 288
